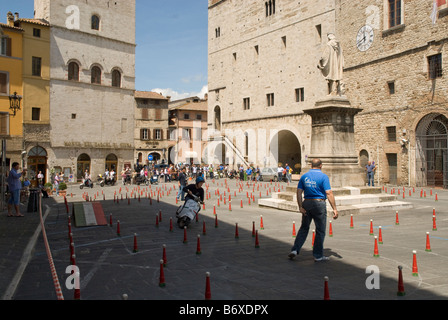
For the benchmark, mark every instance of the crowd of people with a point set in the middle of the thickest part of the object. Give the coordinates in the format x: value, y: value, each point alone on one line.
x: 168, y: 173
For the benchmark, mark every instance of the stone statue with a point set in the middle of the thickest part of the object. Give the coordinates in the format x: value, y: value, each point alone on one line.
x: 332, y: 64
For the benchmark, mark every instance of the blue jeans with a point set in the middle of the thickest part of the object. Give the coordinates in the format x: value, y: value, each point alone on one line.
x: 181, y: 193
x: 14, y: 197
x: 315, y: 211
x: 370, y: 178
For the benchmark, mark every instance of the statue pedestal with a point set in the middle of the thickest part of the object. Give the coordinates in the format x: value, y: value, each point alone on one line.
x: 333, y: 141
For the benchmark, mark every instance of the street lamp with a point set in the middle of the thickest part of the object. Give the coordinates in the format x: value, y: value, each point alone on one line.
x: 14, y: 103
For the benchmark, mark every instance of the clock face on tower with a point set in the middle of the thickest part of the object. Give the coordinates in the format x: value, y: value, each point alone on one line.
x: 364, y: 39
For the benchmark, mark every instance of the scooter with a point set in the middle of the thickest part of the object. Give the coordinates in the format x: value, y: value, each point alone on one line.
x: 188, y: 211
x: 100, y: 180
x: 141, y: 180
x: 110, y: 181
x: 86, y: 183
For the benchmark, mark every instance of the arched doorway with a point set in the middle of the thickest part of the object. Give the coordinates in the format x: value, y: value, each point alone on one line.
x: 363, y: 158
x: 83, y: 164
x: 285, y: 148
x: 431, y: 151
x: 217, y: 118
x: 112, y: 162
x: 155, y: 157
x: 37, y: 162
x: 220, y: 154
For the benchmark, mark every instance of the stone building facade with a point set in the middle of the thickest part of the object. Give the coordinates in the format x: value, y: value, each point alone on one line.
x: 92, y: 84
x: 399, y: 80
x: 263, y: 58
x: 151, y: 127
x: 188, y: 131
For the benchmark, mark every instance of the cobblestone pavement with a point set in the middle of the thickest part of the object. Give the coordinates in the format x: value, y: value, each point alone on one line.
x: 239, y: 270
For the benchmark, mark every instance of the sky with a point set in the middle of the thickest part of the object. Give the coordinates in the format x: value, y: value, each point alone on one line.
x: 171, y: 37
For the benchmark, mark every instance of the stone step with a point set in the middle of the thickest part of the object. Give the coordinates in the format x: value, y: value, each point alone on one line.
x: 342, y: 210
x: 343, y: 191
x: 349, y: 200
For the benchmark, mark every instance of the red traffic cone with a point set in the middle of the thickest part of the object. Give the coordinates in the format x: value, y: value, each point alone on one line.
x: 165, y: 261
x: 428, y: 244
x: 208, y: 293
x: 236, y: 231
x: 380, y: 236
x: 118, y: 228
x: 401, y: 291
x: 160, y: 215
x: 352, y: 226
x: 162, y: 276
x: 253, y: 228
x: 171, y: 224
x: 294, y: 234
x: 110, y: 220
x: 414, y: 264
x: 135, y: 243
x: 216, y: 221
x: 371, y: 228
x: 434, y: 225
x: 375, y: 251
x: 314, y: 237
x: 261, y: 223
x: 198, y: 246
x: 397, y: 221
x: 326, y: 291
x: 185, y: 235
x: 330, y: 232
x: 257, y: 243
x: 437, y: 198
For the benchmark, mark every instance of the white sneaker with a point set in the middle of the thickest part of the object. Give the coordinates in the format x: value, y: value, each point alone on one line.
x: 323, y: 258
x: 292, y: 255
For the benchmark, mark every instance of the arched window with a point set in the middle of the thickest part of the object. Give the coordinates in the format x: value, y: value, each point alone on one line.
x: 73, y: 71
x: 116, y: 79
x: 96, y: 75
x: 95, y: 22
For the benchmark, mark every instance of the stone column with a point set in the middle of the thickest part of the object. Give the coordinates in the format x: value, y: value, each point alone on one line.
x: 333, y: 141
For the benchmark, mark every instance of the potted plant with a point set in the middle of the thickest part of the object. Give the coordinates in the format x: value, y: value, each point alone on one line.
x: 63, y: 189
x: 49, y: 188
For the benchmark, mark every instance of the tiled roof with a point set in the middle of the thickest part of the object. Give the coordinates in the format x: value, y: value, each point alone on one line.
x: 3, y: 25
x: 149, y: 95
x: 41, y: 22
x: 194, y: 106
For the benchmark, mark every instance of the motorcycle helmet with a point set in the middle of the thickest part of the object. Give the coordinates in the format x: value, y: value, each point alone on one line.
x: 200, y: 179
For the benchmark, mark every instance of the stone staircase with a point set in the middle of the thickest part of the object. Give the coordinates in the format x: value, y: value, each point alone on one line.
x: 349, y: 200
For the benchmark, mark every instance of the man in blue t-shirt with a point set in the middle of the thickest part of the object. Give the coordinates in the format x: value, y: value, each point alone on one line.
x: 315, y: 186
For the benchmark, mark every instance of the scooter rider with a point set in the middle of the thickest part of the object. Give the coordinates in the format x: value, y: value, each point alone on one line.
x: 195, y: 190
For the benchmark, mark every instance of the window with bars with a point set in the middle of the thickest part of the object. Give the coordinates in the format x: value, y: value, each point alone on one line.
x: 246, y: 103
x: 435, y: 66
x: 300, y: 94
x: 391, y: 134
